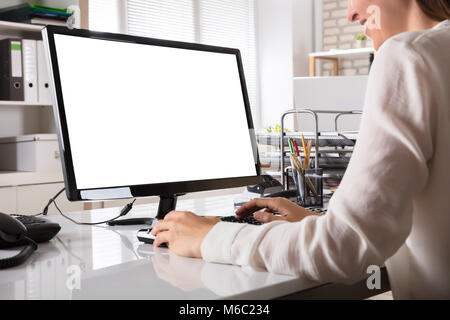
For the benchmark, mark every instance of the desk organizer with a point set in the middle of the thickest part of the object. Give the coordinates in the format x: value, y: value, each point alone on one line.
x: 333, y: 149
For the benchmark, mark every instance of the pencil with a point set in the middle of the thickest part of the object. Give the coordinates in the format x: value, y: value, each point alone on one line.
x: 309, y: 153
x: 305, y: 152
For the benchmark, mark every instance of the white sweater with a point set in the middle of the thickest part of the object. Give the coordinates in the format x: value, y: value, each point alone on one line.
x: 393, y: 205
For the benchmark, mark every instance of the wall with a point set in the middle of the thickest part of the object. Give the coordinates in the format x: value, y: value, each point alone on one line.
x: 275, y: 58
x: 304, y: 41
x: 338, y: 33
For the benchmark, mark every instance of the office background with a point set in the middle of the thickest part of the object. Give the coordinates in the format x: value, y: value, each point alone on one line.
x: 276, y: 38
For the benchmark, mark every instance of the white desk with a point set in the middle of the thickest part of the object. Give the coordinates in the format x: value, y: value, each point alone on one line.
x: 113, y: 264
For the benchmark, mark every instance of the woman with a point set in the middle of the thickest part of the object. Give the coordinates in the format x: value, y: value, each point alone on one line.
x: 393, y: 204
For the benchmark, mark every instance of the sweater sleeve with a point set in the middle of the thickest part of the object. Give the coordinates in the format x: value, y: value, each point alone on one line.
x: 370, y: 215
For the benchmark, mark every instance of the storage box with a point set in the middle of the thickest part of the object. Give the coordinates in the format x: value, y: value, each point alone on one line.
x: 37, y: 152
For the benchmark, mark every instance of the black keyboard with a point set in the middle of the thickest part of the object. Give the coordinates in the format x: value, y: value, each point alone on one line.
x: 252, y: 220
x: 39, y: 230
x: 317, y: 210
x: 249, y: 220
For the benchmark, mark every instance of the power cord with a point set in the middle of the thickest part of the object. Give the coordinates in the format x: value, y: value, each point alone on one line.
x: 45, y: 211
x: 123, y: 212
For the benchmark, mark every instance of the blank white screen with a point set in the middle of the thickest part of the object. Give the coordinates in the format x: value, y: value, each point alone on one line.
x: 141, y: 114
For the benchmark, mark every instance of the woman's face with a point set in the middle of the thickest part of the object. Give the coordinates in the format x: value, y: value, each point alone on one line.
x: 382, y: 19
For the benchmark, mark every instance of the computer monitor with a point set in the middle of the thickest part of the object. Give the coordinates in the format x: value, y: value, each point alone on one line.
x: 139, y: 117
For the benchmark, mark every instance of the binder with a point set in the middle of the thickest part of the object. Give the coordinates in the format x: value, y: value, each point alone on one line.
x: 11, y: 75
x: 30, y: 71
x: 44, y: 95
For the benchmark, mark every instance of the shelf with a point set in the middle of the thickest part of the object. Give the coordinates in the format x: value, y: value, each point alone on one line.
x: 334, y: 55
x: 14, y: 125
x: 15, y: 178
x: 343, y: 53
x: 20, y: 30
x: 23, y: 103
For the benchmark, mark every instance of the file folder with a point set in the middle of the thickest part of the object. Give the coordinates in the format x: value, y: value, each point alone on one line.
x: 44, y: 94
x: 11, y: 75
x: 30, y: 71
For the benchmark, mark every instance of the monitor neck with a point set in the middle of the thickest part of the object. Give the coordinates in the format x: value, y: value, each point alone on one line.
x: 167, y: 203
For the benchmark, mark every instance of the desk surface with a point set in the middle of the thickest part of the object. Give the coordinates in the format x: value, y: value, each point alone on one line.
x: 102, y: 262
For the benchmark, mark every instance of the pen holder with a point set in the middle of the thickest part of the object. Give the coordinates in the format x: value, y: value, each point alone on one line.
x: 309, y: 185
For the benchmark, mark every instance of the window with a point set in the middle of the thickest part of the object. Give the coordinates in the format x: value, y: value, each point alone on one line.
x: 228, y: 23
x: 166, y: 19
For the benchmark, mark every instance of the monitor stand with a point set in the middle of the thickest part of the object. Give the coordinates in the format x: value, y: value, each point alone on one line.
x: 167, y: 203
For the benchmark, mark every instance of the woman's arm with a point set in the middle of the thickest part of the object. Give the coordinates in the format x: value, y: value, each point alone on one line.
x: 370, y: 215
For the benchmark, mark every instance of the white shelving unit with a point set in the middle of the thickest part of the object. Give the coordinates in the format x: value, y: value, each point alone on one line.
x: 20, y: 30
x: 350, y: 53
x: 22, y: 103
x: 27, y: 192
x: 334, y: 56
x: 13, y: 178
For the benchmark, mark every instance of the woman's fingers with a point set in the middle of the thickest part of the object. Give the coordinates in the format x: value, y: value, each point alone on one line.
x: 161, y: 226
x: 162, y: 237
x: 256, y: 205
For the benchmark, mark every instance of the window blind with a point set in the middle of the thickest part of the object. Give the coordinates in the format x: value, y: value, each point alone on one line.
x: 229, y: 23
x: 165, y: 19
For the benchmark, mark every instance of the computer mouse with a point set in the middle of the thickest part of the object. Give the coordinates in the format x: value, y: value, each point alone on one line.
x: 11, y: 230
x: 144, y: 235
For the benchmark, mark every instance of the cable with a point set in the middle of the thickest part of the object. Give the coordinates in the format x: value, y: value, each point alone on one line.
x: 123, y: 212
x: 45, y: 211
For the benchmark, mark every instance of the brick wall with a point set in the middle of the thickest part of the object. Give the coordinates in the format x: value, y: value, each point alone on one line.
x: 338, y: 33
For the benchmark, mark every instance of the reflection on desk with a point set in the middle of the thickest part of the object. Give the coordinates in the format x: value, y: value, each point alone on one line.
x: 102, y: 262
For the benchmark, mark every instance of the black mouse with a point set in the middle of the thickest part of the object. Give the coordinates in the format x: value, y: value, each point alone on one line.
x: 11, y: 230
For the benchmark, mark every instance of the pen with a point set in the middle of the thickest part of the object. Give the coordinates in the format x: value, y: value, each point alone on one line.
x: 305, y: 152
x: 290, y: 146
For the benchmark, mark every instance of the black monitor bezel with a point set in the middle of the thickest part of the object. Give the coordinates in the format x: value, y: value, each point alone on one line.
x: 172, y: 188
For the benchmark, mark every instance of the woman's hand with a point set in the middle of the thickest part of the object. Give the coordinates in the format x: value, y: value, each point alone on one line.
x: 287, y: 209
x: 183, y: 232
